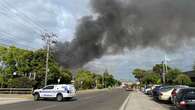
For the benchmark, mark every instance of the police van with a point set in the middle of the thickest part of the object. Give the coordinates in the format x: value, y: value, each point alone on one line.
x: 59, y: 92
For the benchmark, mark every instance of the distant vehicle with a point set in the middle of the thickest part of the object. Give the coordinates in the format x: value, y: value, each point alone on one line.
x: 177, y: 88
x: 148, y: 89
x: 152, y: 88
x: 58, y: 92
x: 165, y: 93
x: 185, y: 99
x: 129, y: 89
x: 124, y: 86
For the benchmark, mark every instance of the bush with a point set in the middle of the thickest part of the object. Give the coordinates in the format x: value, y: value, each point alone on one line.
x: 100, y: 86
x: 21, y: 82
x: 183, y: 79
x: 192, y: 84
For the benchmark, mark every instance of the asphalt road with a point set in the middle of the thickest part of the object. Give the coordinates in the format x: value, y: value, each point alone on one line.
x: 102, y: 100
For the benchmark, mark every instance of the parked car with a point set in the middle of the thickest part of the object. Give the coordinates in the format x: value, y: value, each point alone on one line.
x: 185, y: 99
x: 58, y: 92
x: 165, y: 93
x: 177, y: 88
x: 148, y: 89
x: 155, y: 92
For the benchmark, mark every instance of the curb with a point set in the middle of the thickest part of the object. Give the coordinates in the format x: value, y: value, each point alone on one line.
x: 124, y: 105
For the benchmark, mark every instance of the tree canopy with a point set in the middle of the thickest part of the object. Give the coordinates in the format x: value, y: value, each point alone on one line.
x: 173, y: 76
x: 139, y: 74
x: 19, y: 65
x: 183, y: 79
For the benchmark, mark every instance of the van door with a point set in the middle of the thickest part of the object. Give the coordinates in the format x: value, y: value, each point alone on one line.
x: 47, y: 91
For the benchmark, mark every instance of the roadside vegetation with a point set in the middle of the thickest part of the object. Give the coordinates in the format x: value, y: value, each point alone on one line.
x: 21, y: 68
x: 174, y: 76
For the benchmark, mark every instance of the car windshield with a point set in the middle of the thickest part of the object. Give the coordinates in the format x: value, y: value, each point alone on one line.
x: 165, y: 89
x: 190, y: 95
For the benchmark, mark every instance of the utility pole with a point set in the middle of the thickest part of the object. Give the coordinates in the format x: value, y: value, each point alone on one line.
x: 163, y: 72
x: 103, y: 80
x: 165, y: 68
x: 49, y: 38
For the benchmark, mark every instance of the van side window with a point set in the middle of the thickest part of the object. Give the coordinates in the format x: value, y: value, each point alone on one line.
x: 48, y: 87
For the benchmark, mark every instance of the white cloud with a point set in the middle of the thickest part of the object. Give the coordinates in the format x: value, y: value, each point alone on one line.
x: 24, y: 19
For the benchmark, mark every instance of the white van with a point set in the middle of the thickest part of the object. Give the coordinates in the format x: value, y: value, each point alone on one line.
x: 59, y: 92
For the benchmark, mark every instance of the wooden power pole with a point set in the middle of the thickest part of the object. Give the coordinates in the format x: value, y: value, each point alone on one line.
x: 49, y: 38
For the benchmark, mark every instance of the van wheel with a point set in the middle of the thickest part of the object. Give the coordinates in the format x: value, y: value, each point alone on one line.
x: 36, y: 97
x: 59, y: 98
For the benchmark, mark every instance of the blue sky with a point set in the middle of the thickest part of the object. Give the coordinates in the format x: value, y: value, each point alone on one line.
x: 23, y: 20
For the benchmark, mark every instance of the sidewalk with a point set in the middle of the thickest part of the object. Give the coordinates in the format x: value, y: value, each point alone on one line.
x: 11, y: 100
x: 139, y: 101
x: 14, y: 98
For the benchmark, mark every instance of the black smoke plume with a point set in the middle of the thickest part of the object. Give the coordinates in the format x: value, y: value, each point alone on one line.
x: 119, y: 24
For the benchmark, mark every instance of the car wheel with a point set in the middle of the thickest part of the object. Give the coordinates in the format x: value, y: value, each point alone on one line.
x: 59, y: 98
x: 36, y: 97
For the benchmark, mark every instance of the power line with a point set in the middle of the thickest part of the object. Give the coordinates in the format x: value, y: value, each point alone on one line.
x: 10, y: 40
x: 19, y: 14
x: 11, y: 17
x: 23, y: 14
x: 12, y: 43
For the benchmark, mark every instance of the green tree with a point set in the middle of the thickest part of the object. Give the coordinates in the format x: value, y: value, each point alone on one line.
x: 139, y: 74
x: 183, y: 79
x: 55, y: 71
x: 21, y: 82
x: 2, y: 81
x: 151, y: 78
x: 172, y: 75
x: 109, y: 80
x: 84, y: 80
x: 158, y: 68
x: 99, y: 81
x: 27, y: 63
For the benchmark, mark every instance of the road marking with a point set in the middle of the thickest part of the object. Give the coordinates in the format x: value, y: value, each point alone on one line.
x: 124, y: 105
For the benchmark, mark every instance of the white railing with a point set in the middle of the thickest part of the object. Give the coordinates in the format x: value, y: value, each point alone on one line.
x: 16, y: 90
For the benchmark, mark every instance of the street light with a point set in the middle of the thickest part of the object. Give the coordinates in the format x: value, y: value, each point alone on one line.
x: 81, y: 84
x: 59, y: 80
x: 14, y: 73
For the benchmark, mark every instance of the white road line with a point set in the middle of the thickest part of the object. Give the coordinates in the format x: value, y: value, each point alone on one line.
x: 123, y: 107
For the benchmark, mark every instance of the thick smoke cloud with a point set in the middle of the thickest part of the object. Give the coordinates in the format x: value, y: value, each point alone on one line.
x: 120, y: 24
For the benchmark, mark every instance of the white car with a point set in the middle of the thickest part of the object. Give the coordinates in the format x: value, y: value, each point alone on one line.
x: 165, y: 93
x: 147, y: 90
x: 59, y: 92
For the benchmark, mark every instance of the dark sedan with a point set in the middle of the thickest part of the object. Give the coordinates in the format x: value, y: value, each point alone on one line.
x: 185, y: 99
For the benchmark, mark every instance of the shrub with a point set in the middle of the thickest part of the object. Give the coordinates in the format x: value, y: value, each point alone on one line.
x: 21, y: 82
